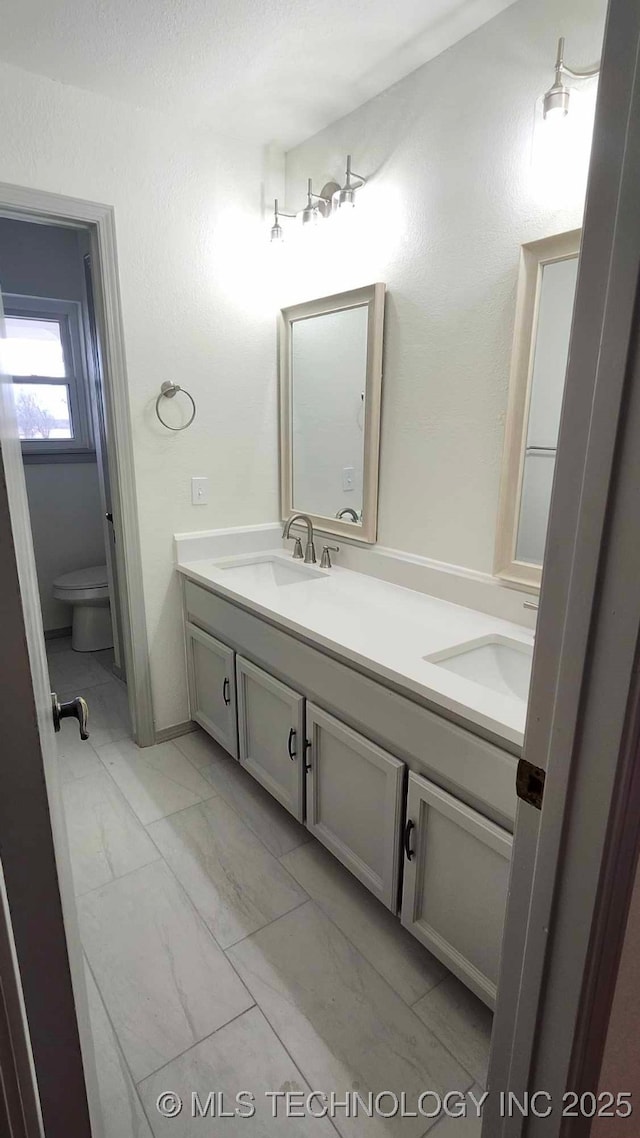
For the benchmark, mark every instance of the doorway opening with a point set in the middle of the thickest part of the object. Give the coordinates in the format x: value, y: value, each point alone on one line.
x: 52, y: 353
x: 65, y: 351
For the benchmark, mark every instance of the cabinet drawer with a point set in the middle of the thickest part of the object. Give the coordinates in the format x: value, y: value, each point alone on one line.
x: 271, y: 735
x: 212, y: 687
x: 456, y: 876
x: 354, y: 802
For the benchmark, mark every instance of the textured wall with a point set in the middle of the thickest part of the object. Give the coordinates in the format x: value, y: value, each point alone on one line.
x: 64, y: 498
x: 190, y: 248
x: 457, y: 185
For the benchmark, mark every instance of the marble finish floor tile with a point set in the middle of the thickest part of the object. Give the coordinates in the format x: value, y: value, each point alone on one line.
x: 57, y: 644
x: 109, y: 718
x: 462, y: 1022
x: 156, y: 781
x: 376, y: 932
x: 244, y: 1055
x: 106, y: 840
x: 164, y: 981
x: 201, y: 749
x: 76, y: 756
x: 275, y: 827
x: 73, y: 671
x: 122, y: 1113
x: 236, y: 885
x: 470, y: 1126
x: 345, y: 1026
x: 106, y: 659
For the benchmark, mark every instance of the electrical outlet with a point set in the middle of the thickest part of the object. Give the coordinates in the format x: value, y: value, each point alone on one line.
x: 199, y: 491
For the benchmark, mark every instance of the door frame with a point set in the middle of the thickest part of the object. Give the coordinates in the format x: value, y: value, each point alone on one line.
x: 41, y: 206
x: 558, y: 971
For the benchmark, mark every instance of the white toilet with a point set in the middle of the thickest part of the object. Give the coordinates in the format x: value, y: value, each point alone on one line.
x: 88, y: 591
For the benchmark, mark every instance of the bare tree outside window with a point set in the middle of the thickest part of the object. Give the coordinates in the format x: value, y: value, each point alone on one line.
x: 34, y: 422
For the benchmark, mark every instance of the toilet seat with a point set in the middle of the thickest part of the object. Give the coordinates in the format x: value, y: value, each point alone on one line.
x: 89, y: 584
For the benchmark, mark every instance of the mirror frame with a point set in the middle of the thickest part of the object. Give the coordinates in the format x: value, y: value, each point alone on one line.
x: 533, y: 257
x: 373, y: 297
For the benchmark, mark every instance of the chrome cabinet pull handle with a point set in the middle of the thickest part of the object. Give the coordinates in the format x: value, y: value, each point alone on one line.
x: 290, y: 744
x: 73, y: 709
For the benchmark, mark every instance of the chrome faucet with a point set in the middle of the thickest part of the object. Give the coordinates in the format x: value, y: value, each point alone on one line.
x: 348, y: 510
x: 309, y: 549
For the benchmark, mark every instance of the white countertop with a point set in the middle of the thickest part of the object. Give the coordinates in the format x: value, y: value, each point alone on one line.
x: 384, y: 628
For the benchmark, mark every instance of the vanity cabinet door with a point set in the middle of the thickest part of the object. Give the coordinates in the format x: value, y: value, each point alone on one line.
x: 354, y: 802
x: 212, y: 687
x: 271, y: 735
x: 456, y: 876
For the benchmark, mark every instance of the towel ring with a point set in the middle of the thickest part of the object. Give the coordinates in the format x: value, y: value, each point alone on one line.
x: 167, y: 391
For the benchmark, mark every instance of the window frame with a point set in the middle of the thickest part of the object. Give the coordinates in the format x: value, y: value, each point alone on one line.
x: 68, y: 315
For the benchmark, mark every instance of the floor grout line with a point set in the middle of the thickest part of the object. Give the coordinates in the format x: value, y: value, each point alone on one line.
x: 197, y: 1043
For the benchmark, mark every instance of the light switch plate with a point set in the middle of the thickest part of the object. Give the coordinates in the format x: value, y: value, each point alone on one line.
x: 348, y: 477
x: 199, y: 491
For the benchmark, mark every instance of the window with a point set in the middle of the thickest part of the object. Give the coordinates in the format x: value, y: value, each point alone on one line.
x: 43, y: 353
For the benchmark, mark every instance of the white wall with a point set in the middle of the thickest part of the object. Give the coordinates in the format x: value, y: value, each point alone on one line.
x: 64, y: 499
x: 459, y: 179
x: 194, y: 297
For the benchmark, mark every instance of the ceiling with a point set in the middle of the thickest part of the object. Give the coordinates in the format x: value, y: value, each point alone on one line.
x: 268, y: 70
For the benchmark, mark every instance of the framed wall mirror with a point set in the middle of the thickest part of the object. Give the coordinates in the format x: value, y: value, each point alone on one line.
x: 330, y: 394
x: 544, y: 309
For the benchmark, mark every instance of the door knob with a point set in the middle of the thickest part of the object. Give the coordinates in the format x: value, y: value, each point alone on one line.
x: 73, y: 709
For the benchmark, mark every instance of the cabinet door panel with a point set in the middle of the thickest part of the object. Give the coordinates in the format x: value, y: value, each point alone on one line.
x: 271, y: 735
x: 212, y: 687
x: 455, y: 884
x: 354, y: 802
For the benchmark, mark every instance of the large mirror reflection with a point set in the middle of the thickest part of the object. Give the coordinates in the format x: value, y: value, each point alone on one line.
x: 330, y: 375
x: 541, y: 345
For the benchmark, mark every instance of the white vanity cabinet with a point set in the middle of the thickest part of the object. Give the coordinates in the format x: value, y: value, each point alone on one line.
x: 271, y: 735
x: 212, y: 686
x: 456, y: 875
x: 354, y: 802
x: 335, y: 746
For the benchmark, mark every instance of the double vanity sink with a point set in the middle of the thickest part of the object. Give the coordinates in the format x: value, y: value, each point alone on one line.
x: 385, y: 720
x: 474, y: 666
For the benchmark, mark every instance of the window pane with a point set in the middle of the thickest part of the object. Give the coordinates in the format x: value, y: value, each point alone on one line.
x: 32, y: 347
x: 43, y: 410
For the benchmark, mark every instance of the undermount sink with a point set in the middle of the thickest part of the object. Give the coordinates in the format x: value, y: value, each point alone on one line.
x: 497, y: 662
x: 270, y: 571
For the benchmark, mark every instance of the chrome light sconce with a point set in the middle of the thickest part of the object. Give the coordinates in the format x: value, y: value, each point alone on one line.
x: 347, y: 195
x: 556, y: 101
x: 322, y: 205
x: 318, y: 205
x: 277, y: 232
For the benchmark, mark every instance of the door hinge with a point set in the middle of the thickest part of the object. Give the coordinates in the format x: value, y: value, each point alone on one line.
x: 530, y: 783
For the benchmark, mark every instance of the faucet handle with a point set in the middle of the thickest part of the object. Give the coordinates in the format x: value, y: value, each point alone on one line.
x: 325, y: 560
x: 297, y: 549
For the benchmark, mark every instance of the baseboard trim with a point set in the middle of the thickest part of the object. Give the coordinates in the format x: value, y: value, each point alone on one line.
x: 167, y: 733
x: 57, y: 633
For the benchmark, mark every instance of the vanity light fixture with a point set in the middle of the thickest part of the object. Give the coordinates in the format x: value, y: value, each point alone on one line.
x: 556, y: 101
x: 331, y: 198
x: 277, y: 232
x: 346, y: 195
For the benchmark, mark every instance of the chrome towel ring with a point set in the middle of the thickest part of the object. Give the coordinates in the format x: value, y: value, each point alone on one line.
x: 167, y: 391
